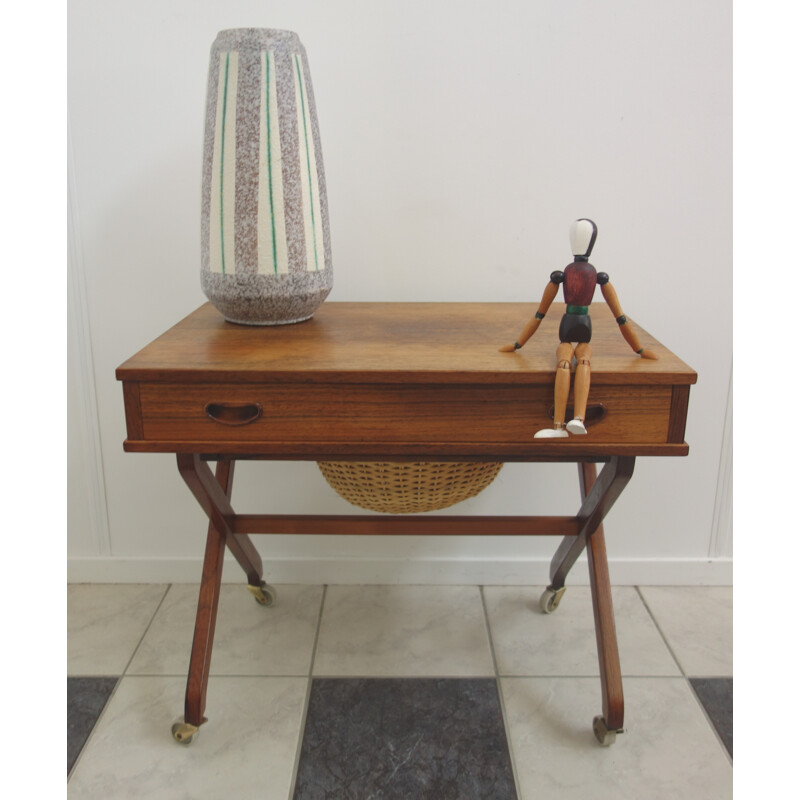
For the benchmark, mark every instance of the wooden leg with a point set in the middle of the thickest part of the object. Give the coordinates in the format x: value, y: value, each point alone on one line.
x: 598, y: 495
x: 214, y: 498
x: 207, y: 604
x: 244, y: 551
x: 597, y: 502
x: 205, y: 623
x: 208, y: 492
x: 240, y: 544
x: 605, y: 629
x: 213, y: 495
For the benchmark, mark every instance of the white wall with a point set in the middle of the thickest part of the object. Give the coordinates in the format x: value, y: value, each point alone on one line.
x: 460, y: 140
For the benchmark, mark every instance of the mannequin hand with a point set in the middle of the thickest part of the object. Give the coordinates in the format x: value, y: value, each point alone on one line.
x: 507, y: 348
x: 649, y: 354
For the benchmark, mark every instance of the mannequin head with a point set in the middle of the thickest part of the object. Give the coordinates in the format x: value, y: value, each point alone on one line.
x: 582, y: 236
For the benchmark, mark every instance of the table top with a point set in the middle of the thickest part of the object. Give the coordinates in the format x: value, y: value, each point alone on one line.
x: 408, y: 343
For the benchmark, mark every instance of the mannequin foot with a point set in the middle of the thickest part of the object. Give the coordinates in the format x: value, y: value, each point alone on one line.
x: 551, y: 433
x: 576, y: 426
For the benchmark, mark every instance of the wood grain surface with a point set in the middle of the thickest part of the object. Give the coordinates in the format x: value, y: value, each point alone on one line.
x: 396, y: 343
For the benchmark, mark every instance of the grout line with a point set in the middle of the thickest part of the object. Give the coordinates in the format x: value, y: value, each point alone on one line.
x: 433, y: 676
x: 584, y: 676
x: 488, y: 631
x: 215, y: 675
x: 500, y: 697
x: 304, y: 717
x: 146, y: 630
x: 660, y: 632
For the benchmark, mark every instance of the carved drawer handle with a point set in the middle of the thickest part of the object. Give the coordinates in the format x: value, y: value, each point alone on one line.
x: 234, y: 413
x: 594, y: 413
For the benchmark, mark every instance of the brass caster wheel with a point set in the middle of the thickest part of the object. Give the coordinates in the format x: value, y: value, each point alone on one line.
x: 183, y: 732
x: 550, y: 599
x: 264, y: 594
x: 602, y: 733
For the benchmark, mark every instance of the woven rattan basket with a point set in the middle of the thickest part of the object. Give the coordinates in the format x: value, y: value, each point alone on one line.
x: 397, y: 487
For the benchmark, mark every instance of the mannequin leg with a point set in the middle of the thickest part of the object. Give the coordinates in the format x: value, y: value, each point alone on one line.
x: 564, y: 355
x: 583, y: 353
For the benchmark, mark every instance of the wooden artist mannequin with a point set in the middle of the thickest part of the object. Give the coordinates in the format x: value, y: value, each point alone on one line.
x: 575, y: 332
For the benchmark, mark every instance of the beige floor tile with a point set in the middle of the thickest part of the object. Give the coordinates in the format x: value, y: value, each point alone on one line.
x: 697, y: 622
x: 529, y: 642
x: 403, y: 631
x: 105, y: 623
x: 246, y: 749
x: 249, y: 639
x: 668, y: 749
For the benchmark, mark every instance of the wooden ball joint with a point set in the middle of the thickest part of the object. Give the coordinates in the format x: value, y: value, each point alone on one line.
x: 579, y: 280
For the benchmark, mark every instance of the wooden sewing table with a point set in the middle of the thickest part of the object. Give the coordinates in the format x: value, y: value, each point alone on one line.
x: 398, y: 382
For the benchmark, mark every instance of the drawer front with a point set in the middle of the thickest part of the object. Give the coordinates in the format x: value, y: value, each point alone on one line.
x: 318, y: 413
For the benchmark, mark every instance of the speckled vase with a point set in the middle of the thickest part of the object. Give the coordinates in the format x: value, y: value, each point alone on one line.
x: 266, y: 254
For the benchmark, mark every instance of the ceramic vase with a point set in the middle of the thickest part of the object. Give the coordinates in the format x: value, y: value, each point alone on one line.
x: 266, y: 255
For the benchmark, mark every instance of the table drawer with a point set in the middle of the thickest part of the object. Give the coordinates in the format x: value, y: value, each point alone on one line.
x: 391, y: 413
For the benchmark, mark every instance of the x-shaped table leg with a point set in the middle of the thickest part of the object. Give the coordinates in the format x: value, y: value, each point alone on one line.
x: 598, y: 495
x: 213, y: 494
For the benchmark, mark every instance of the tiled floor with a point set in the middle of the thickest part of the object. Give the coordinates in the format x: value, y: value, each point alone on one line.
x: 398, y: 692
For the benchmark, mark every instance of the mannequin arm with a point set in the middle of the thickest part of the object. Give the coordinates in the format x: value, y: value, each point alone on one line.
x: 550, y: 291
x: 627, y: 332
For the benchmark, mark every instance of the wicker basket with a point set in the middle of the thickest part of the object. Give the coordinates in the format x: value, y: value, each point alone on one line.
x: 397, y: 487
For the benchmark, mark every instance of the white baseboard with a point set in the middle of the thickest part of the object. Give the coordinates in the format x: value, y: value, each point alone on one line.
x: 532, y: 572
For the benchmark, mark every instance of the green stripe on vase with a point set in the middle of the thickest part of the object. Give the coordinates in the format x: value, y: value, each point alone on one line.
x: 269, y: 161
x: 308, y: 160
